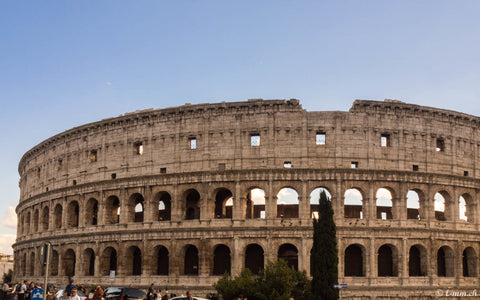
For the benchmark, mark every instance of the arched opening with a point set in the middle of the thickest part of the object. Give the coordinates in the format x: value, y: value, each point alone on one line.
x: 91, y: 213
x: 255, y: 204
x: 384, y: 204
x: 68, y: 262
x: 287, y: 203
x: 417, y: 261
x: 353, y: 261
x: 24, y: 264
x: 58, y: 216
x: 387, y: 261
x: 254, y: 260
x: 445, y: 262
x: 72, y: 214
x: 31, y: 265
x: 221, y: 209
x: 108, y: 261
x: 53, y: 268
x: 413, y: 205
x: 466, y: 208
x: 191, y: 261
x: 89, y: 262
x: 162, y: 260
x: 22, y: 224
x: 134, y: 260
x: 164, y: 206
x: 45, y: 218
x: 353, y: 204
x: 221, y: 260
x: 192, y: 205
x: 469, y: 262
x: 27, y: 223
x: 136, y: 202
x: 35, y: 220
x: 441, y: 205
x: 112, y: 210
x: 289, y: 253
x: 315, y: 201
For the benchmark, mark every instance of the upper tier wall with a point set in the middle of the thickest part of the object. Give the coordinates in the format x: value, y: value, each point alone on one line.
x: 223, y: 131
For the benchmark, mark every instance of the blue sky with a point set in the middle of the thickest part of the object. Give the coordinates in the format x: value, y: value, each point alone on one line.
x: 66, y: 63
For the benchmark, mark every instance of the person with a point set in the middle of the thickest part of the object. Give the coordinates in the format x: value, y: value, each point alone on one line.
x: 4, y: 290
x: 22, y: 290
x: 151, y: 293
x: 189, y: 296
x: 82, y: 288
x: 74, y: 295
x: 69, y: 288
x: 98, y: 294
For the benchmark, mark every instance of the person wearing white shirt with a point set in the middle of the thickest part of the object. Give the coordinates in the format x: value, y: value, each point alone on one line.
x: 74, y: 295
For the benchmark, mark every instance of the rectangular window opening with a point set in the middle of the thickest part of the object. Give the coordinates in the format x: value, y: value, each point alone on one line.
x: 221, y: 166
x: 287, y: 164
x: 74, y: 182
x: 138, y: 148
x: 163, y: 170
x: 385, y: 140
x: 320, y: 138
x: 465, y: 173
x: 192, y: 142
x: 440, y: 145
x: 415, y: 167
x: 114, y: 175
x: 384, y: 215
x: 93, y: 156
x: 255, y: 140
x: 354, y: 165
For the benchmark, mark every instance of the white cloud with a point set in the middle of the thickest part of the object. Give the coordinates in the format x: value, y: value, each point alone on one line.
x: 10, y: 219
x: 6, y: 241
x: 108, y: 83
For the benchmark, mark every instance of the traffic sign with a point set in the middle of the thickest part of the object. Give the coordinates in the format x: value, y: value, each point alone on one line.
x: 37, y: 294
x: 340, y: 286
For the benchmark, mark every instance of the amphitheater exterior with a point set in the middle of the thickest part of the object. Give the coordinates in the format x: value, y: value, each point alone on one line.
x: 178, y: 196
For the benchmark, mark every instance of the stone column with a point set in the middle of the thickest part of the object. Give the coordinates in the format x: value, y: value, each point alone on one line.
x: 123, y: 206
x: 64, y: 212
x: 372, y: 261
x: 82, y: 207
x: 371, y: 211
x: 149, y: 206
x: 237, y: 257
x: 238, y: 203
x: 403, y: 260
x: 176, y: 205
x: 304, y: 203
x: 101, y: 208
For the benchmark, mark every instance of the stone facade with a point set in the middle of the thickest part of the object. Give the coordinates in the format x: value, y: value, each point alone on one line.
x: 178, y: 196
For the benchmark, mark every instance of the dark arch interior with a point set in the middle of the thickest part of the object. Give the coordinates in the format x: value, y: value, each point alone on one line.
x: 222, y: 211
x: 191, y: 261
x: 165, y: 214
x: 353, y: 261
x: 385, y: 261
x: 289, y: 253
x: 162, y: 261
x: 221, y: 260
x: 254, y: 258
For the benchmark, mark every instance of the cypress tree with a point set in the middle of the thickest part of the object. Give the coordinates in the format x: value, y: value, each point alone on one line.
x: 324, y: 256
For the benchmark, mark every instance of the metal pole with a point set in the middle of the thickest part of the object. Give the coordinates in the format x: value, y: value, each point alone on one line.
x: 45, y: 287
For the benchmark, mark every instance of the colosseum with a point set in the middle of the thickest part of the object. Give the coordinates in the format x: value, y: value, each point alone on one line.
x: 181, y: 195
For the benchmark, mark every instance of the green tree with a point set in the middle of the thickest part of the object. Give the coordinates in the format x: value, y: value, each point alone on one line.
x: 324, y: 256
x: 7, y: 277
x: 244, y: 284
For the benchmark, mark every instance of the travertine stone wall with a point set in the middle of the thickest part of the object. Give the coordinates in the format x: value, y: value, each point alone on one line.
x: 69, y: 181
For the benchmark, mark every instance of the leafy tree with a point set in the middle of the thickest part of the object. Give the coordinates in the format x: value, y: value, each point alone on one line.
x: 244, y: 284
x: 324, y: 256
x: 7, y: 277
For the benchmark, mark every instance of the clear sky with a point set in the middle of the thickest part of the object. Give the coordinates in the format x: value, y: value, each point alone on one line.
x: 65, y: 63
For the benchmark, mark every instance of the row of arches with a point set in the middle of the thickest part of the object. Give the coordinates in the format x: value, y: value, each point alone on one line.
x: 418, y: 261
x: 159, y: 263
x: 253, y: 205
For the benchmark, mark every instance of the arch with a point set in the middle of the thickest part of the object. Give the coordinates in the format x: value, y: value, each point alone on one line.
x: 417, y: 261
x: 91, y: 212
x: 222, y: 210
x: 255, y: 204
x: 287, y: 203
x: 354, y: 261
x: 31, y: 265
x: 192, y: 204
x: 445, y: 262
x: 221, y: 260
x: 441, y: 205
x: 353, y: 204
x: 24, y: 264
x: 44, y: 223
x: 191, y: 266
x: 112, y: 210
x: 73, y: 211
x: 89, y: 262
x: 69, y: 262
x: 254, y: 258
x: 162, y: 260
x: 53, y: 268
x: 27, y: 223
x: 415, y: 201
x: 315, y: 200
x: 136, y: 208
x: 469, y: 262
x: 134, y: 260
x: 36, y: 220
x: 384, y: 204
x: 289, y: 253
x: 466, y: 208
x: 58, y: 216
x: 164, y: 201
x: 108, y: 261
x: 387, y: 261
x: 22, y: 224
